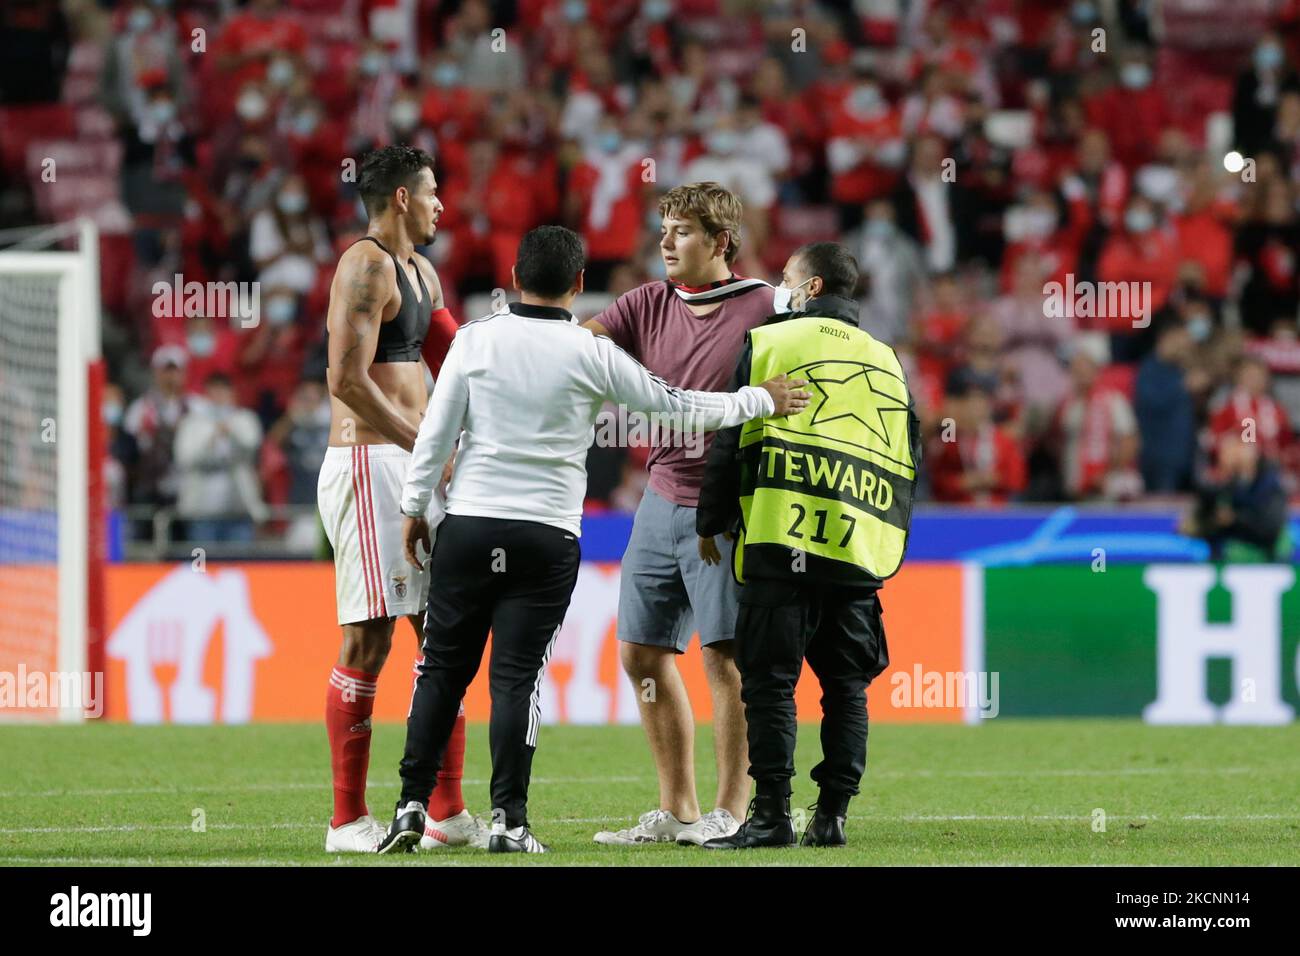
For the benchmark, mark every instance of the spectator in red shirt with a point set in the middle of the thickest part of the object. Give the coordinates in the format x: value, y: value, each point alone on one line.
x: 1145, y: 251
x: 1096, y: 434
x: 940, y: 328
x: 975, y: 461
x: 213, y: 349
x: 1031, y: 228
x: 1204, y: 227
x: 606, y: 196
x: 253, y: 38
x: 1133, y: 112
x: 865, y: 149
x: 1097, y: 190
x: 1249, y: 411
x: 486, y: 213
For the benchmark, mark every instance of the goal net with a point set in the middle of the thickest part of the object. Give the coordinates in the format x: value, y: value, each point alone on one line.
x: 51, y: 448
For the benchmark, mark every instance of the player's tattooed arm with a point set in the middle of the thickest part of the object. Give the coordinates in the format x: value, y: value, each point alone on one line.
x: 362, y: 286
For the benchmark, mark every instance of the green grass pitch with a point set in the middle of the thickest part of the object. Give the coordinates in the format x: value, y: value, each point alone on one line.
x: 1009, y: 792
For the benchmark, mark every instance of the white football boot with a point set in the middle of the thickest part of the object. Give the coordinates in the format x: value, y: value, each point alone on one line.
x: 362, y: 835
x: 657, y: 826
x: 714, y: 824
x: 463, y: 829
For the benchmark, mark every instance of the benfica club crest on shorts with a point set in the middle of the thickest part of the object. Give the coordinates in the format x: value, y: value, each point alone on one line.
x: 399, y: 585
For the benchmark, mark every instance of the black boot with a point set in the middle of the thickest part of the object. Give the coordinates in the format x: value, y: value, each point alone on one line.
x: 827, y: 825
x: 824, y: 830
x: 769, y: 824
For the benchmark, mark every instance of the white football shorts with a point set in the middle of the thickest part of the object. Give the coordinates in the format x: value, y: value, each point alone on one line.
x: 359, y: 494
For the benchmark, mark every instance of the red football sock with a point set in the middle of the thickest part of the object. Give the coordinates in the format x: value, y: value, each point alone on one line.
x: 446, y: 799
x: 349, y: 702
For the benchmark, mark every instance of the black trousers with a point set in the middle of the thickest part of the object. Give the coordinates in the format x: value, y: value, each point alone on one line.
x: 840, y: 632
x: 514, y: 578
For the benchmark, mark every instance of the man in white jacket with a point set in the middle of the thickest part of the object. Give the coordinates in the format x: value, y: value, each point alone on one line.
x: 520, y: 389
x: 216, y: 458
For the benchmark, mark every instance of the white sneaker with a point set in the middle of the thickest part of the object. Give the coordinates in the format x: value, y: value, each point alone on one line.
x: 715, y: 823
x: 657, y: 826
x: 463, y: 829
x: 362, y: 835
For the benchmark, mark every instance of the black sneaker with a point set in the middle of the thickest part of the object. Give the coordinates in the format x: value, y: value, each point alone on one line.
x: 517, y: 840
x: 825, y: 829
x: 405, y: 830
x: 768, y: 824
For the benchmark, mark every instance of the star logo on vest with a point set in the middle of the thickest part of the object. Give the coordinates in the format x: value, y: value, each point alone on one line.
x: 854, y: 392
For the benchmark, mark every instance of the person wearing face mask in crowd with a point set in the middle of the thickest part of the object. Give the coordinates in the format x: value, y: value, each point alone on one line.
x: 1032, y: 228
x: 865, y: 149
x: 897, y: 272
x: 271, y: 359
x: 301, y: 436
x: 606, y: 200
x: 470, y: 41
x: 143, y: 54
x: 1267, y: 77
x: 213, y: 347
x: 1143, y: 251
x: 317, y: 146
x: 158, y: 157
x: 744, y: 173
x: 150, y: 423
x: 831, y: 486
x: 288, y: 242
x: 1133, y: 111
x: 253, y: 39
x: 404, y: 124
x: 216, y: 450
x: 377, y: 84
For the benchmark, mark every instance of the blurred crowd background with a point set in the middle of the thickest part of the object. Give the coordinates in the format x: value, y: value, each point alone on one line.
x: 966, y: 152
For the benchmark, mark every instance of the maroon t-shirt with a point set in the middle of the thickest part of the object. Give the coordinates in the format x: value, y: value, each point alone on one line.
x: 656, y: 326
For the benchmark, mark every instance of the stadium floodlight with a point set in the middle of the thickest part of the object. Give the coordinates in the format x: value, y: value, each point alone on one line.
x: 51, y: 456
x: 1234, y: 162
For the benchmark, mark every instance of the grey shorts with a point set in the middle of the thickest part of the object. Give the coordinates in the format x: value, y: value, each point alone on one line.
x: 666, y: 591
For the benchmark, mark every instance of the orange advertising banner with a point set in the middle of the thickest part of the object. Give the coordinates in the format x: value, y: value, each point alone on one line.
x: 256, y: 641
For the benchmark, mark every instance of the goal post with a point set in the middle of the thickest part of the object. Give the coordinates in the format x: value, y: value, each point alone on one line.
x: 52, y: 547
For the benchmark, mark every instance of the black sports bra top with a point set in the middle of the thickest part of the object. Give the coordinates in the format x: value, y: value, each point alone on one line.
x: 402, y: 337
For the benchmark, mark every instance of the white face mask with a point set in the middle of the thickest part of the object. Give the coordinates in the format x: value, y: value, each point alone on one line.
x: 783, y: 300
x: 251, y: 106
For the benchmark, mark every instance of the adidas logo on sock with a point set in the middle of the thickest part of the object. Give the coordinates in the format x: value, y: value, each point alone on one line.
x: 361, y: 728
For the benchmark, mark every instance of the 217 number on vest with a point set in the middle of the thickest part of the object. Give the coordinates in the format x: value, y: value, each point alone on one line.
x: 820, y: 515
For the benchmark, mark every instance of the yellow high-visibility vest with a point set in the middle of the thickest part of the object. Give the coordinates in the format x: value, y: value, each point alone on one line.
x: 838, y: 479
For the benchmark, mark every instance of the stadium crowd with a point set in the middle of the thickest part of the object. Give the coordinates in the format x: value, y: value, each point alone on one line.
x: 966, y: 153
